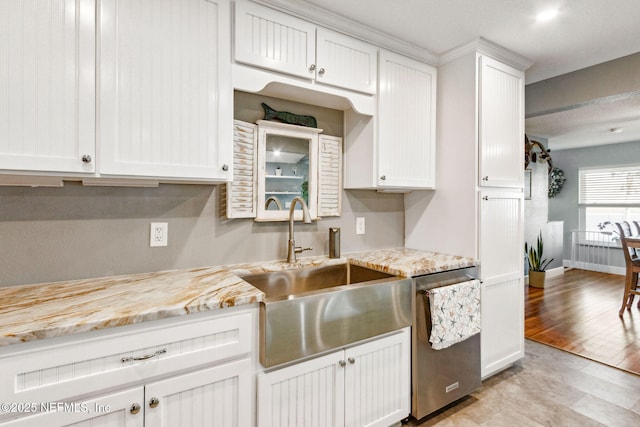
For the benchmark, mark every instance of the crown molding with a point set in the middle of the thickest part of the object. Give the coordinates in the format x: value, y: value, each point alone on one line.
x: 342, y: 24
x: 489, y: 48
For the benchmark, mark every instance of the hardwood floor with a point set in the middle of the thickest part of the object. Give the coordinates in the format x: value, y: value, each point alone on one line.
x: 578, y: 312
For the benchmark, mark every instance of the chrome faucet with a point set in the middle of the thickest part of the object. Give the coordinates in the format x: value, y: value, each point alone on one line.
x: 292, y: 249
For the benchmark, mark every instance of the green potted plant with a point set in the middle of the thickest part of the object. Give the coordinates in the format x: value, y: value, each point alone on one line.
x: 537, y: 264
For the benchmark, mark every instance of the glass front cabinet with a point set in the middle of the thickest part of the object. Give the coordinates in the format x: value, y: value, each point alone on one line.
x: 276, y: 162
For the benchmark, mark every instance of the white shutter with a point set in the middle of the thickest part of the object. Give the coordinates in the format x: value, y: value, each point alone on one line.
x: 330, y: 176
x: 242, y: 192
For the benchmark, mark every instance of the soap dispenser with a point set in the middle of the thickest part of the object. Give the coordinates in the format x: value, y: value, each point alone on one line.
x: 334, y: 242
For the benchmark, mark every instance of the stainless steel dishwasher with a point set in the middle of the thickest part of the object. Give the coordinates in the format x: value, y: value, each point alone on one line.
x: 440, y: 377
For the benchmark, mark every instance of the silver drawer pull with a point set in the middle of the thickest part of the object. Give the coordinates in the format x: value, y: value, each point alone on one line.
x: 145, y: 357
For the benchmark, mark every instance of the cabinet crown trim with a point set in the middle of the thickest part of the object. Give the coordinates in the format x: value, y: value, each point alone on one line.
x: 336, y: 22
x: 484, y: 46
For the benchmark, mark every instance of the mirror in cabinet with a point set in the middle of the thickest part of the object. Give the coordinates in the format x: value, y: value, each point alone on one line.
x: 287, y: 168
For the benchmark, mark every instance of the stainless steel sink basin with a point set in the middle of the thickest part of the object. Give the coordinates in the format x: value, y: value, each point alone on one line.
x: 300, y: 281
x: 313, y: 310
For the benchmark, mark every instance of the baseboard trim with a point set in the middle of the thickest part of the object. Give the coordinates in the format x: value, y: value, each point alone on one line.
x: 611, y: 269
x: 558, y: 271
x: 550, y: 273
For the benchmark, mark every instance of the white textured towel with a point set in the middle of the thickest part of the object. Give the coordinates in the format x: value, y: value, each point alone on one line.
x: 455, y: 313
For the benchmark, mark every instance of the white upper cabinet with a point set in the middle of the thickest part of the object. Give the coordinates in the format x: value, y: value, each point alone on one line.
x: 400, y: 155
x: 47, y: 95
x: 270, y: 39
x: 501, y: 124
x: 165, y: 89
x: 406, y: 123
x: 345, y: 62
x: 115, y: 88
x: 276, y: 41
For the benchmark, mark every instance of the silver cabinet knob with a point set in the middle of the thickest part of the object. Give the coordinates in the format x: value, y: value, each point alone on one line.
x: 225, y: 167
x: 351, y: 360
x: 321, y: 71
x: 153, y: 402
x: 485, y: 178
x: 383, y: 177
x: 86, y: 158
x: 312, y: 67
x: 135, y: 408
x: 342, y: 363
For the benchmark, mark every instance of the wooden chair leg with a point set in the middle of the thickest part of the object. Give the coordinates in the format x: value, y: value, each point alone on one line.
x: 628, y: 280
x: 633, y: 287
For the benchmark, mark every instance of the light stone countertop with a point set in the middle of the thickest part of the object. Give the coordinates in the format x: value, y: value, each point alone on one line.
x: 46, y: 310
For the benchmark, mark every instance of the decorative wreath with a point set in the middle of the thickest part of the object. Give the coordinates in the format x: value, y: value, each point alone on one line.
x: 556, y: 181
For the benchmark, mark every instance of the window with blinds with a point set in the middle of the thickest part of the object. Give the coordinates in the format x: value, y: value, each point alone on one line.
x: 608, y: 195
x: 615, y: 186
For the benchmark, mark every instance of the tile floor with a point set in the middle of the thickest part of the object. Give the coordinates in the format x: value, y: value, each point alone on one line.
x: 549, y: 387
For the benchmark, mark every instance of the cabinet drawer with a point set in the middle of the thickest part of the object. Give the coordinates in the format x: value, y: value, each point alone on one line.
x: 83, y: 367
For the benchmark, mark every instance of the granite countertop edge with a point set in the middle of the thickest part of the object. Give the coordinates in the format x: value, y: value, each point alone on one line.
x: 47, y: 310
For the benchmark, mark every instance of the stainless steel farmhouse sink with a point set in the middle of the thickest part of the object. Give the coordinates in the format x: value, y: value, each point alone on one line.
x: 312, y: 310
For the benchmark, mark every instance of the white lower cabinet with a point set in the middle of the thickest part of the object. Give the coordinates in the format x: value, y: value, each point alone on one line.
x: 174, y: 373
x: 208, y: 397
x: 112, y: 410
x: 204, y: 398
x: 364, y: 385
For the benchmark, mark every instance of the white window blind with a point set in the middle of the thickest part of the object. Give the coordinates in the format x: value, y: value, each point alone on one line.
x: 614, y: 186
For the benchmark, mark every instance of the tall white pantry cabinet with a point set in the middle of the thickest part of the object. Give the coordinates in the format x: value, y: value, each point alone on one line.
x: 480, y: 139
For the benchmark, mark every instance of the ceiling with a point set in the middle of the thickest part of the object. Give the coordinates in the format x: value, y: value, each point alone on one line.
x: 585, y: 33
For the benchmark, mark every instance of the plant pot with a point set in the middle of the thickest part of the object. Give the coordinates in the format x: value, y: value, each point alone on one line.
x: 536, y: 278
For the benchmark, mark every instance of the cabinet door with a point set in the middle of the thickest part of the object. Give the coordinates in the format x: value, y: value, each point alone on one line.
x: 218, y: 396
x: 501, y: 234
x: 377, y: 383
x: 270, y: 39
x: 303, y: 395
x: 165, y: 89
x: 502, y: 338
x: 123, y: 409
x: 47, y: 94
x: 502, y: 296
x: 346, y: 62
x: 406, y: 123
x: 501, y: 119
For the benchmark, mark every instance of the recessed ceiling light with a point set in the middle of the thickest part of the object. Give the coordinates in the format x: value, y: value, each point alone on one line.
x: 547, y: 15
x: 615, y: 130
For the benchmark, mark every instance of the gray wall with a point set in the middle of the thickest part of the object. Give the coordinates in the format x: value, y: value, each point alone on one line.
x: 536, y: 214
x: 619, y: 76
x: 74, y: 232
x: 564, y: 207
x: 51, y: 234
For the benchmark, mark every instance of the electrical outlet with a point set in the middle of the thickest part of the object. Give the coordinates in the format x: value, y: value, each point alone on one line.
x: 159, y: 234
x: 360, y: 225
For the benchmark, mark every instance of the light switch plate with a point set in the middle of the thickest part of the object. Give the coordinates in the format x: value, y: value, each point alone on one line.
x: 360, y: 225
